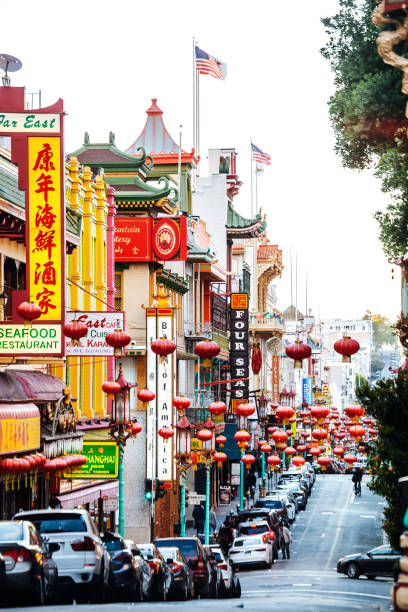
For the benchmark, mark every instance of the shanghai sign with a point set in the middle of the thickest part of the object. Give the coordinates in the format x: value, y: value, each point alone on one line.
x: 101, y: 461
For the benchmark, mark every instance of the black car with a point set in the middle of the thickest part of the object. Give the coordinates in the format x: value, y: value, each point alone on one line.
x: 124, y: 573
x: 216, y: 571
x: 273, y: 504
x: 297, y: 492
x: 379, y: 561
x: 145, y: 569
x: 192, y: 549
x: 183, y: 582
x: 162, y: 576
x: 30, y: 570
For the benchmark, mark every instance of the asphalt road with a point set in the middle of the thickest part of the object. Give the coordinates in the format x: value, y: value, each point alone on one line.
x: 334, y: 524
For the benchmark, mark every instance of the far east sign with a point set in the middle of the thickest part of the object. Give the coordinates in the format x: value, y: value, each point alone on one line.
x: 101, y: 461
x: 239, y: 359
x: 37, y: 149
x: 99, y: 324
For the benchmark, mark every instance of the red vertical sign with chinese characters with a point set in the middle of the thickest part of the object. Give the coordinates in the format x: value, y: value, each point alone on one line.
x: 275, y: 378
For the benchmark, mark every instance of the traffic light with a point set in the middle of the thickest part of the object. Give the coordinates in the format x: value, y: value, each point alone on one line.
x: 160, y: 490
x: 148, y: 490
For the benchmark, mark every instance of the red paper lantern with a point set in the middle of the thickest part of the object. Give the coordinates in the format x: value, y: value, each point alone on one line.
x: 324, y: 462
x: 315, y: 451
x: 338, y: 450
x: 301, y: 448
x: 357, y: 431
x: 290, y: 451
x: 305, y: 434
x: 221, y: 440
x: 216, y: 408
x: 256, y: 359
x: 6, y: 466
x: 166, y: 433
x: 265, y: 448
x: 284, y: 413
x: 271, y: 429
x: 207, y: 349
x: 136, y: 428
x: 248, y: 460
x: 245, y: 410
x: 361, y: 449
x: 220, y: 458
x: 273, y: 460
x: 75, y: 330
x: 181, y: 403
x: 241, y: 437
x: 204, y: 435
x: 280, y: 437
x: 350, y: 459
x: 319, y: 434
x: 319, y: 412
x: 117, y: 339
x: 298, y: 351
x: 298, y: 461
x: 372, y: 431
x: 354, y: 411
x: 111, y: 387
x: 28, y: 311
x: 346, y: 347
x: 145, y: 395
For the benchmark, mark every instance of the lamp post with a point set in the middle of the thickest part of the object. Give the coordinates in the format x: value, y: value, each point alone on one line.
x: 183, y: 451
x: 121, y: 428
x: 206, y: 435
x: 263, y: 402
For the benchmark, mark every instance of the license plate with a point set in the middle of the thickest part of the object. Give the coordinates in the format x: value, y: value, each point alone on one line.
x: 248, y: 552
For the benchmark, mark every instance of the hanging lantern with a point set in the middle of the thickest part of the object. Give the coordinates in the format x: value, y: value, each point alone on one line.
x: 216, y: 408
x: 298, y: 461
x: 262, y: 443
x: 245, y: 410
x: 350, y: 459
x: 163, y: 347
x: 284, y: 413
x: 221, y: 440
x: 241, y: 437
x: 265, y: 448
x: 298, y: 351
x: 194, y: 460
x: 206, y: 435
x: 319, y: 434
x: 220, y: 458
x: 121, y: 405
x: 248, y: 460
x: 273, y: 461
x: 280, y: 437
x: 118, y: 340
x: 272, y: 429
x: 357, y: 431
x: 181, y: 403
x: 338, y: 450
x: 75, y: 330
x: 361, y: 449
x: 315, y: 452
x: 304, y: 414
x: 346, y: 347
x: 28, y: 311
x: 145, y: 395
x: 290, y: 451
x: 207, y: 349
x: 305, y: 434
x: 111, y: 388
x: 324, y: 462
x: 372, y: 431
x: 166, y: 433
x: 319, y: 412
x: 183, y: 437
x: 135, y: 429
x: 301, y: 448
x: 256, y: 359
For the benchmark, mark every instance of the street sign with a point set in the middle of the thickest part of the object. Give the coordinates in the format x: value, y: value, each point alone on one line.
x: 102, y: 459
x: 198, y: 496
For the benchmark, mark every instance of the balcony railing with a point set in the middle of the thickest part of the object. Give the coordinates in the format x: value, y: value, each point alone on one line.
x: 271, y: 320
x: 198, y: 330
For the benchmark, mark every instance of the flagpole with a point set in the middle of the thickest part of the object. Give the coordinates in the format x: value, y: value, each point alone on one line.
x: 194, y: 110
x: 252, y: 185
x: 198, y: 119
x: 256, y: 189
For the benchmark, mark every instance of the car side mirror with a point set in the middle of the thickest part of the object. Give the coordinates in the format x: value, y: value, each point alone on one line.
x: 169, y: 561
x: 134, y: 552
x: 53, y: 547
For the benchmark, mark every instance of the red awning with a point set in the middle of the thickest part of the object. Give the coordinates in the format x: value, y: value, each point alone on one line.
x: 84, y: 496
x: 19, y: 411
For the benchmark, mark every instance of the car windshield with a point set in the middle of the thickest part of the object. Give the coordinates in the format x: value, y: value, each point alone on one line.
x: 187, y: 547
x: 11, y: 532
x: 217, y: 556
x: 270, y: 503
x: 246, y: 542
x: 146, y: 552
x: 252, y: 529
x: 58, y: 523
x: 168, y: 553
x: 113, y: 545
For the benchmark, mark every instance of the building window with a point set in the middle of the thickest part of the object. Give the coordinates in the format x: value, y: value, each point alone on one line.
x: 118, y: 291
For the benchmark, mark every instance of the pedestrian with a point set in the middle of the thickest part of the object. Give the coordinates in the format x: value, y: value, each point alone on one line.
x: 213, y: 520
x: 226, y: 535
x: 356, y: 479
x: 199, y: 518
x: 285, y: 539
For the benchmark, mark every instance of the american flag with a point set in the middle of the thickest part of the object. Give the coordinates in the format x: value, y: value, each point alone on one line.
x: 259, y: 156
x: 206, y: 64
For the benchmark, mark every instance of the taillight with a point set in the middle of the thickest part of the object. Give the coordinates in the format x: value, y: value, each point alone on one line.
x: 223, y: 566
x: 200, y: 565
x: 176, y: 567
x: 19, y: 555
x: 269, y: 536
x: 123, y: 557
x: 260, y: 549
x: 86, y: 544
x: 153, y: 565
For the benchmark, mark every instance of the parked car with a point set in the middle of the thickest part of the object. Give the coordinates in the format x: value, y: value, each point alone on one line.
x: 27, y: 559
x: 125, y: 574
x: 193, y: 550
x: 183, y: 581
x: 376, y: 562
x: 162, y: 576
x: 251, y: 550
x: 80, y: 555
x: 231, y: 583
x: 146, y: 572
x: 289, y: 507
x: 273, y: 503
x: 298, y: 493
x: 261, y: 514
x: 216, y: 571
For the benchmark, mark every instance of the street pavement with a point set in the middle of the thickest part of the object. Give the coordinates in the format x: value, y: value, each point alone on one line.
x: 334, y: 524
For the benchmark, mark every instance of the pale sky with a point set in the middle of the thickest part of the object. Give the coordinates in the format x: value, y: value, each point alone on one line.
x: 108, y: 59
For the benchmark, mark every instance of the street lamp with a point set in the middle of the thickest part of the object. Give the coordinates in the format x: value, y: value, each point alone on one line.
x: 206, y: 435
x: 183, y: 451
x: 121, y: 428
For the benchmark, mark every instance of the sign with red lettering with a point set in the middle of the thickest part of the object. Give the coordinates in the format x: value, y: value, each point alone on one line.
x: 275, y: 378
x: 133, y: 239
x: 99, y: 324
x: 169, y: 238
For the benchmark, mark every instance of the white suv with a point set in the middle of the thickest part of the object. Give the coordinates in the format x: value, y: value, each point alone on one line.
x: 81, y: 559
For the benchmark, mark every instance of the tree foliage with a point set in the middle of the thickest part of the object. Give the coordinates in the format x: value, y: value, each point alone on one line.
x: 367, y: 113
x: 383, y: 331
x: 387, y: 402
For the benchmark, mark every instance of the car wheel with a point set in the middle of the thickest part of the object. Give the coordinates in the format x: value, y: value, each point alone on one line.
x: 163, y: 596
x: 184, y: 594
x: 353, y: 570
x: 39, y: 592
x: 237, y: 589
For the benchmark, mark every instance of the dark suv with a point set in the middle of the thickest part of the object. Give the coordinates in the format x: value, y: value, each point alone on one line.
x: 205, y: 583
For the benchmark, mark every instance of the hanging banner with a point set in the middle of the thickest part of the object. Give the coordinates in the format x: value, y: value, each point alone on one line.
x: 239, y: 344
x: 133, y: 239
x: 99, y: 324
x: 164, y: 409
x: 275, y: 378
x: 151, y: 375
x: 307, y: 390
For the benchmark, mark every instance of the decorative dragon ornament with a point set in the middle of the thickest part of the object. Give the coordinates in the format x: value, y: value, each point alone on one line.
x: 386, y: 41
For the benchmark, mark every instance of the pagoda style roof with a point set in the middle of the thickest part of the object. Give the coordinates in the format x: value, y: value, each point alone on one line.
x: 156, y: 140
x: 127, y: 175
x: 290, y: 313
x: 241, y: 227
x: 195, y: 252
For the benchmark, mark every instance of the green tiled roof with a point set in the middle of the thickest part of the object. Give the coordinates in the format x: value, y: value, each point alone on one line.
x: 9, y: 189
x: 236, y: 220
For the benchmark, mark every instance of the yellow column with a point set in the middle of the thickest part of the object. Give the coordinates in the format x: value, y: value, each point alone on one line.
x: 87, y: 282
x: 99, y: 370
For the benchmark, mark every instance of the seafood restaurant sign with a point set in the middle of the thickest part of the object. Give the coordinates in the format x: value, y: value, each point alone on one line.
x: 99, y: 324
x: 38, y: 150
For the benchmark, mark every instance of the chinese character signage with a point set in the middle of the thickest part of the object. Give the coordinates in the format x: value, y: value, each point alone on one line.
x: 133, y: 239
x: 307, y: 390
x: 275, y: 378
x: 102, y: 459
x: 239, y: 358
x: 99, y: 324
x: 45, y: 226
x: 19, y: 428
